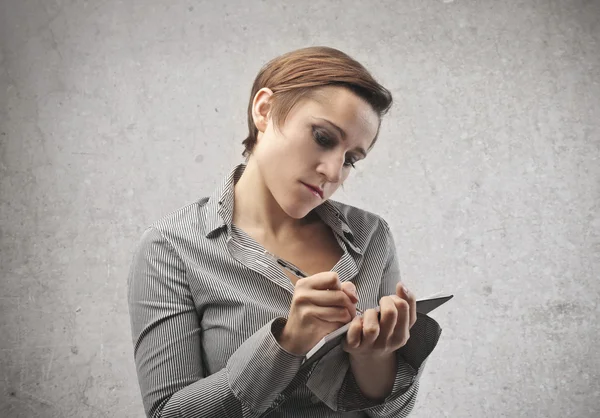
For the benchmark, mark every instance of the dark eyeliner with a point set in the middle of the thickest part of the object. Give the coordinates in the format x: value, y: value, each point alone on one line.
x: 325, y: 141
x: 322, y: 139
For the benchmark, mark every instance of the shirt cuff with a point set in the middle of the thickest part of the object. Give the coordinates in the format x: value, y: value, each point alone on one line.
x: 328, y: 376
x: 260, y: 369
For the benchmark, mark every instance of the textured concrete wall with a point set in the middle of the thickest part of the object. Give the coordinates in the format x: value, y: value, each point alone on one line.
x: 114, y: 113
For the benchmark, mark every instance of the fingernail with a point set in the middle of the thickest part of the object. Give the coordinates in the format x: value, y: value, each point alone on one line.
x: 406, y: 292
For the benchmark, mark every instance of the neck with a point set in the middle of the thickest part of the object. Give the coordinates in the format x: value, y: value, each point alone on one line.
x: 255, y: 209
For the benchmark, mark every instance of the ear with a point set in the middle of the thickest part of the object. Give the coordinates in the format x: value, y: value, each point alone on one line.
x: 261, y: 108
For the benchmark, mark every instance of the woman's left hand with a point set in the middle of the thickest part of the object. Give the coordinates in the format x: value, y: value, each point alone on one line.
x: 376, y: 334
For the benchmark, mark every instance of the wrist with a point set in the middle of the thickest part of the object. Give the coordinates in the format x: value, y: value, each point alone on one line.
x: 371, y: 357
x: 374, y: 375
x: 286, y: 341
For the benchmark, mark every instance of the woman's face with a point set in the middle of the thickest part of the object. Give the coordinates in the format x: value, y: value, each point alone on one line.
x: 317, y: 145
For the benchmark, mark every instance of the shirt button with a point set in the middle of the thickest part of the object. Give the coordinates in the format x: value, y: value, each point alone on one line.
x: 278, y: 400
x: 314, y: 399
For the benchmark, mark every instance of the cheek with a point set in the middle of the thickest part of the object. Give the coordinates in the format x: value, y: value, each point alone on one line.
x: 272, y: 144
x: 345, y: 174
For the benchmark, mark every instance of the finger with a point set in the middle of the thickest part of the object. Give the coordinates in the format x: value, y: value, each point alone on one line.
x: 327, y: 298
x: 329, y: 314
x: 402, y: 328
x: 327, y: 280
x: 370, y: 329
x: 350, y: 290
x: 354, y: 334
x: 324, y: 297
x: 403, y: 292
x: 387, y: 318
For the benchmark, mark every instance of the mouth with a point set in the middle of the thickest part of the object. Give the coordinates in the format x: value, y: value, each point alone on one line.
x: 317, y: 191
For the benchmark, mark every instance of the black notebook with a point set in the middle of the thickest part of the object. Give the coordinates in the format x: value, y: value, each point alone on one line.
x: 328, y: 342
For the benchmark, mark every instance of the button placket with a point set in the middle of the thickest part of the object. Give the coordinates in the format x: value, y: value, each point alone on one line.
x: 258, y: 261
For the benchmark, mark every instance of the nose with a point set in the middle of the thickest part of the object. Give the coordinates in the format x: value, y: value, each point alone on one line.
x: 331, y: 168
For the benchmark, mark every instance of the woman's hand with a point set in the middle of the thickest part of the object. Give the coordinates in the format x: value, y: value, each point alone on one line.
x: 320, y: 305
x: 378, y: 335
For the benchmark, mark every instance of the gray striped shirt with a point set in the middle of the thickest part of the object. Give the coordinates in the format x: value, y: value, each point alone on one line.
x: 206, y: 302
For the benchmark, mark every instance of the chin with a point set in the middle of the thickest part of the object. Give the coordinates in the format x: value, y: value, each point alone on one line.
x: 298, y: 213
x: 296, y: 209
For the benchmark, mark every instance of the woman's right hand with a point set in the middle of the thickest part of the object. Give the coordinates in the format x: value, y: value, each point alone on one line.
x: 320, y: 305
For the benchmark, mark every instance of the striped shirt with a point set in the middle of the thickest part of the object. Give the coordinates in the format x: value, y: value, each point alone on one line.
x: 206, y: 302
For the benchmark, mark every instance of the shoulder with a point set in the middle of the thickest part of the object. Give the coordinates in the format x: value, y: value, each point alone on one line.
x: 186, y: 221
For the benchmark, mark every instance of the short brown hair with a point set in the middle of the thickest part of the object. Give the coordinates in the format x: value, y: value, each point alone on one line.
x: 296, y: 74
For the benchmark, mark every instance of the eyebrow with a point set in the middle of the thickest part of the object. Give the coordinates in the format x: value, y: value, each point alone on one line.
x: 343, y: 135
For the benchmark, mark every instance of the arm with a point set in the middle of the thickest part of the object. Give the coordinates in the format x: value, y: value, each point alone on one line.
x: 167, y: 346
x: 411, y: 358
x: 343, y: 392
x: 374, y: 375
x: 408, y: 367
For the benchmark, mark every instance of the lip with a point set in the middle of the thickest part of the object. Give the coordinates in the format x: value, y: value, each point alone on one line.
x: 315, y: 189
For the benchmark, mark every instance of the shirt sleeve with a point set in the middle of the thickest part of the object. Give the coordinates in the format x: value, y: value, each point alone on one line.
x: 333, y: 382
x: 167, y: 347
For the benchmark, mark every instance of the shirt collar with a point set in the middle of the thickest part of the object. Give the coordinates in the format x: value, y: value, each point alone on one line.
x: 219, y: 210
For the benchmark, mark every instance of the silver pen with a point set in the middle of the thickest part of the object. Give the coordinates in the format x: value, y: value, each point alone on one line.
x: 302, y: 275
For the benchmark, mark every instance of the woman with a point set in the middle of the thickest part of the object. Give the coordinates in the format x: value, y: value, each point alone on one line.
x: 228, y: 294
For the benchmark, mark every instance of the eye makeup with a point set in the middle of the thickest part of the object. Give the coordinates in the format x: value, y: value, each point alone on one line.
x: 323, y: 138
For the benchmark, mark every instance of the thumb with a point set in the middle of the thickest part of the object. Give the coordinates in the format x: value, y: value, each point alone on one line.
x: 401, y: 290
x: 350, y: 290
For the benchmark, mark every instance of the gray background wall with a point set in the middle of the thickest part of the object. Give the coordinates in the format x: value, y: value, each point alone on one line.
x: 114, y: 113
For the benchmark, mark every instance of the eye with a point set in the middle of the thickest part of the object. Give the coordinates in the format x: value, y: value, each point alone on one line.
x: 323, y: 139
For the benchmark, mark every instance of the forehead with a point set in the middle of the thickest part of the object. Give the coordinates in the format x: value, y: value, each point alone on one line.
x: 344, y: 108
